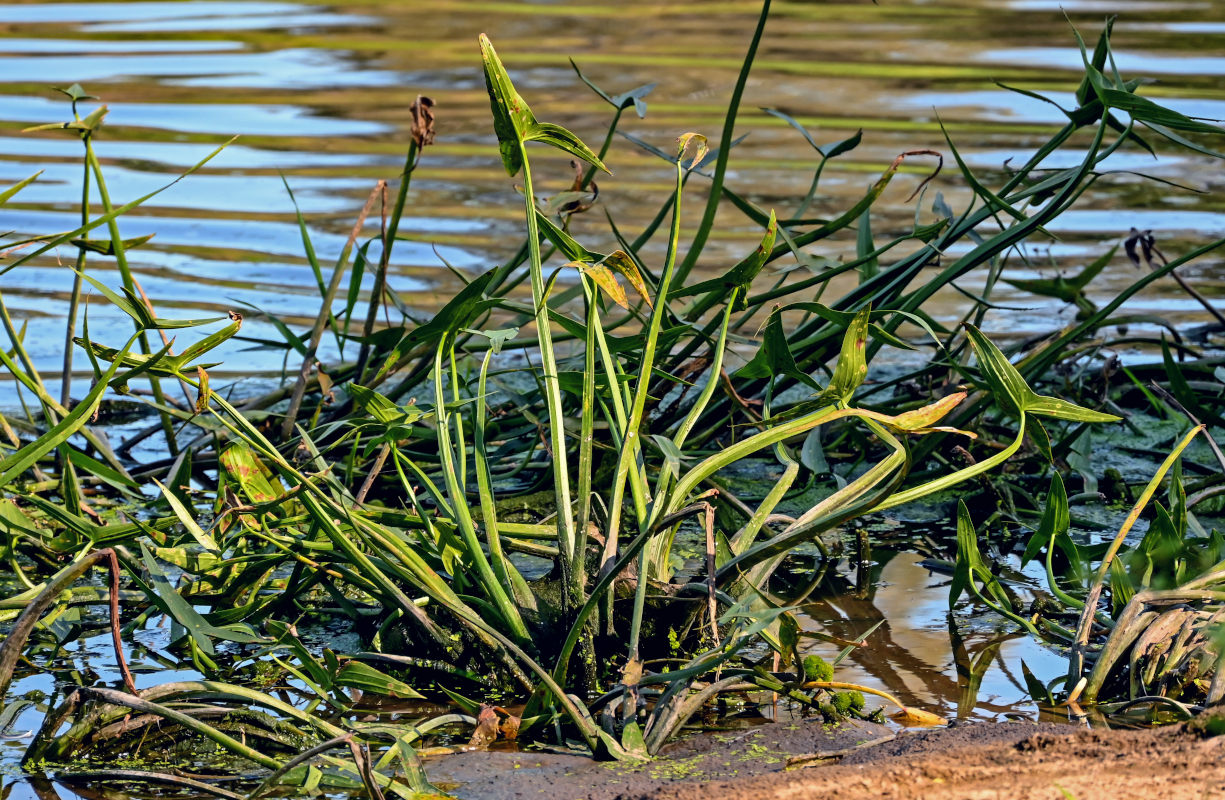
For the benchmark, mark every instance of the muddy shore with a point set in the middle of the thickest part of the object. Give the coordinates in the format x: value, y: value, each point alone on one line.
x: 857, y: 761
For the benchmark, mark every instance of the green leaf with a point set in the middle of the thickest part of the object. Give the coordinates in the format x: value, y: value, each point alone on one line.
x: 17, y: 187
x: 1010, y: 389
x: 1055, y: 521
x: 852, y: 365
x: 76, y: 93
x: 562, y: 139
x: 27, y: 456
x: 740, y: 276
x: 864, y: 247
x: 774, y: 357
x: 82, y: 126
x: 511, y: 116
x: 827, y: 151
x: 178, y: 609
x: 1037, y: 690
x: 358, y: 675
x: 188, y: 522
x: 286, y: 637
x: 967, y: 554
x: 497, y: 338
x: 1065, y: 410
x: 459, y: 312
x: 107, y: 246
x: 192, y: 352
x: 564, y: 242
x: 1148, y: 112
x: 634, y: 97
x: 632, y: 740
x: 1013, y: 394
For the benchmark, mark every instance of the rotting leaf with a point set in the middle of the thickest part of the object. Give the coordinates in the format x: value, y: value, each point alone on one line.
x: 486, y: 732
x: 423, y: 121
x: 509, y: 727
x: 251, y: 473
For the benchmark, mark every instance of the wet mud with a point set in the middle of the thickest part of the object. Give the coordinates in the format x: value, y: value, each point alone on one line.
x: 857, y: 761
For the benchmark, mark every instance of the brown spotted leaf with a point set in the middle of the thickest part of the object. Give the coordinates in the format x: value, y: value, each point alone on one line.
x: 622, y: 264
x: 603, y: 278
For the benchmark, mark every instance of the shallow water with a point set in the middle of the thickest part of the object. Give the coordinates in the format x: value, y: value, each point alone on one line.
x: 320, y: 94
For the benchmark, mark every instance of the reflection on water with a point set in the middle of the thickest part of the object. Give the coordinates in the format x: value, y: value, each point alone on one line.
x: 922, y: 655
x: 320, y: 94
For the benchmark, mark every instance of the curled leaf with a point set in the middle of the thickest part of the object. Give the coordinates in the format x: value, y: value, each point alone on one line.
x: 511, y: 115
x: 700, y: 150
x: 927, y: 416
x: 486, y: 728
x: 205, y: 393
x: 423, y: 121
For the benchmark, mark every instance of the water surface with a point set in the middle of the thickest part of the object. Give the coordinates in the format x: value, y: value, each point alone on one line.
x: 319, y: 95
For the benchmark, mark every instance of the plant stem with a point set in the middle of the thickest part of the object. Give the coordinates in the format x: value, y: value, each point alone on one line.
x: 567, y: 539
x: 725, y: 148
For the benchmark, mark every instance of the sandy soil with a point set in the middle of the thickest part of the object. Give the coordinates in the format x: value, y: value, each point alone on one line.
x: 991, y: 761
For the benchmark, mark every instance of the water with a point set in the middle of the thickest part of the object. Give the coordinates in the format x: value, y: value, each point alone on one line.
x: 320, y: 96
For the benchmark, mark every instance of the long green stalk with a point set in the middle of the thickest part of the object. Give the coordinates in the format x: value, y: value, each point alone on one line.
x: 725, y: 148
x: 74, y: 300
x: 125, y: 275
x: 567, y: 537
x: 631, y: 444
x: 496, y: 590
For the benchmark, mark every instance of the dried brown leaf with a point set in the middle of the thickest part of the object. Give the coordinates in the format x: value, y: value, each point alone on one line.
x: 423, y: 121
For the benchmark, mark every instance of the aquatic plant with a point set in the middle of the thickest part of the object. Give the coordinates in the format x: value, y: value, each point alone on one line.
x: 499, y: 527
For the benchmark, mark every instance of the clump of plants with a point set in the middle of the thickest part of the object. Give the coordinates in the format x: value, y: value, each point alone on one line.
x: 495, y: 531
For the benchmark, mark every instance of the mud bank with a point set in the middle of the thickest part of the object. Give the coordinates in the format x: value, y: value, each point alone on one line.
x: 859, y: 761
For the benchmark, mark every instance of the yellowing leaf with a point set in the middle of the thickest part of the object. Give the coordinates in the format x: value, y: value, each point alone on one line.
x: 683, y: 141
x: 921, y: 420
x: 622, y: 264
x: 916, y: 716
x: 603, y: 278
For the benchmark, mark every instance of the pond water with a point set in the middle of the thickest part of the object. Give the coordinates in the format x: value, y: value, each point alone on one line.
x: 319, y: 96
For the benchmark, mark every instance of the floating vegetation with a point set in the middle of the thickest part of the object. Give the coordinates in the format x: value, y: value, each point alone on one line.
x: 520, y: 507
